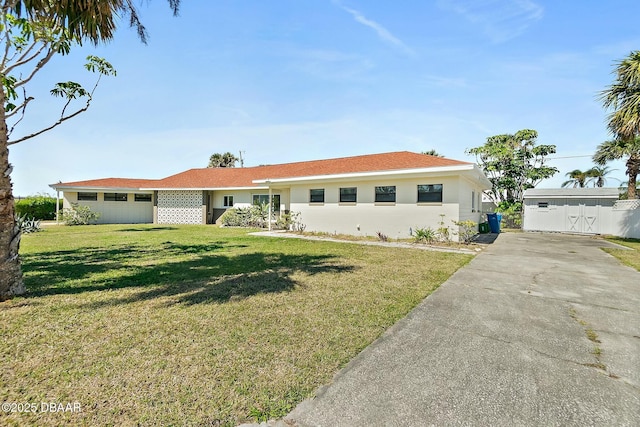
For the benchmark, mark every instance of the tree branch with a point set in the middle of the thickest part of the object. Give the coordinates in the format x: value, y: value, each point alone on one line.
x: 57, y: 123
x: 24, y: 59
x: 38, y: 66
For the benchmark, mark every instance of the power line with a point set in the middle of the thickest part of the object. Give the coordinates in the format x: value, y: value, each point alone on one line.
x: 569, y: 157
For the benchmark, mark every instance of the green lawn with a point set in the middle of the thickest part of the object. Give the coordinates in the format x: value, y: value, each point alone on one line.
x: 195, y: 325
x: 630, y: 258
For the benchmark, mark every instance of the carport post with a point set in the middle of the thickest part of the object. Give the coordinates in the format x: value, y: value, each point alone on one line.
x: 57, y: 206
x: 270, y: 205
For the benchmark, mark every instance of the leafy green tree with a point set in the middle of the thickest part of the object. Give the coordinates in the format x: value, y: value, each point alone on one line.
x: 619, y: 149
x: 577, y: 178
x: 226, y: 160
x: 32, y: 33
x: 513, y: 163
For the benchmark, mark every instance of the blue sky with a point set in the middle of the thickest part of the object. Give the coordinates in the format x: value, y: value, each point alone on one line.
x: 293, y: 80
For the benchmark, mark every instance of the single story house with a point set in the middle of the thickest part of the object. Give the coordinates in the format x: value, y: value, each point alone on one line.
x: 392, y: 193
x: 581, y: 210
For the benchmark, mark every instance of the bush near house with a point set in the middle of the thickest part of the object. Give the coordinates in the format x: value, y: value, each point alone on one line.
x: 40, y: 207
x: 79, y: 215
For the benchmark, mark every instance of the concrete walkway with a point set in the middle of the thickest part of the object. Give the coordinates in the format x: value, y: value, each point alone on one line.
x: 504, y: 342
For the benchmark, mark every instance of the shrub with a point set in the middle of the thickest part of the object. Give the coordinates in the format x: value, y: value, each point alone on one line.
x: 79, y: 215
x: 425, y: 235
x: 290, y: 221
x: 40, y: 207
x: 511, y: 214
x: 466, y: 230
x: 253, y: 216
x: 28, y: 225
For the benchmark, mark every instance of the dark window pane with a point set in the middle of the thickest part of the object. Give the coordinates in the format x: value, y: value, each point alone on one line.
x: 142, y: 197
x: 316, y: 196
x: 115, y: 197
x: 386, y: 193
x: 349, y: 194
x: 260, y: 199
x: 88, y: 197
x: 430, y: 193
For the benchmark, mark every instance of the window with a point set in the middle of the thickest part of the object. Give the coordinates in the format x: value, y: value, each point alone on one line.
x: 263, y: 199
x: 115, y: 197
x: 316, y: 196
x: 89, y: 197
x: 473, y: 201
x: 348, y: 195
x: 386, y: 193
x: 431, y: 193
x: 543, y: 204
x: 260, y: 199
x: 142, y: 197
x: 228, y: 201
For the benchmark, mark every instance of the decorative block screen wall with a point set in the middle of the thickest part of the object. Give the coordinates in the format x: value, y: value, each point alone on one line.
x: 180, y: 207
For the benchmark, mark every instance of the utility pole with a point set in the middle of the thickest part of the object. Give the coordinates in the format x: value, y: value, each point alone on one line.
x: 241, y: 159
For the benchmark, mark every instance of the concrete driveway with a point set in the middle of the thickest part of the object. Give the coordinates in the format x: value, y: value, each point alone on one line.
x: 540, y: 329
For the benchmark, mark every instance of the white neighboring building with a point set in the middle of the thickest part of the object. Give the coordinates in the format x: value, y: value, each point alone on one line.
x: 581, y: 210
x: 392, y: 193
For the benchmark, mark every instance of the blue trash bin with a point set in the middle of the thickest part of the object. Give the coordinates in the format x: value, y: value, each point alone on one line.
x: 494, y: 224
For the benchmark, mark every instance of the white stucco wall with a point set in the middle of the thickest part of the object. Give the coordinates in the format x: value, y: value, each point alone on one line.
x: 245, y: 197
x: 180, y: 207
x: 129, y: 212
x: 470, y: 210
x: 365, y: 217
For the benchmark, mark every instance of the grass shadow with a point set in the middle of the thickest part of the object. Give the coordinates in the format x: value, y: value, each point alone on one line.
x: 164, y: 228
x: 207, y: 275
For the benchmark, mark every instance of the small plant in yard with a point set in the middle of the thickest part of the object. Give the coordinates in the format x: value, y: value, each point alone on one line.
x: 79, y: 215
x: 28, y: 225
x: 466, y: 230
x: 290, y: 221
x: 425, y: 235
x: 443, y: 231
x: 383, y: 237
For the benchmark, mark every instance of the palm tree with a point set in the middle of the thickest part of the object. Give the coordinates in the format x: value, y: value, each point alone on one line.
x: 624, y: 188
x: 578, y: 179
x: 598, y: 175
x: 618, y: 149
x: 226, y: 160
x: 432, y: 152
x: 623, y: 97
x: 74, y: 21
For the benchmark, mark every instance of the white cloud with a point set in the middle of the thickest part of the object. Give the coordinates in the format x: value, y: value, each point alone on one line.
x: 500, y: 20
x: 384, y: 34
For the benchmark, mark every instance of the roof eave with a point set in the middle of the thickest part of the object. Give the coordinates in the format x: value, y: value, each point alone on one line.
x: 369, y: 174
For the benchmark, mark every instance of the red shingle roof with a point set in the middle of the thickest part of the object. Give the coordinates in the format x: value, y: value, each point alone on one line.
x: 244, y: 177
x: 110, y: 183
